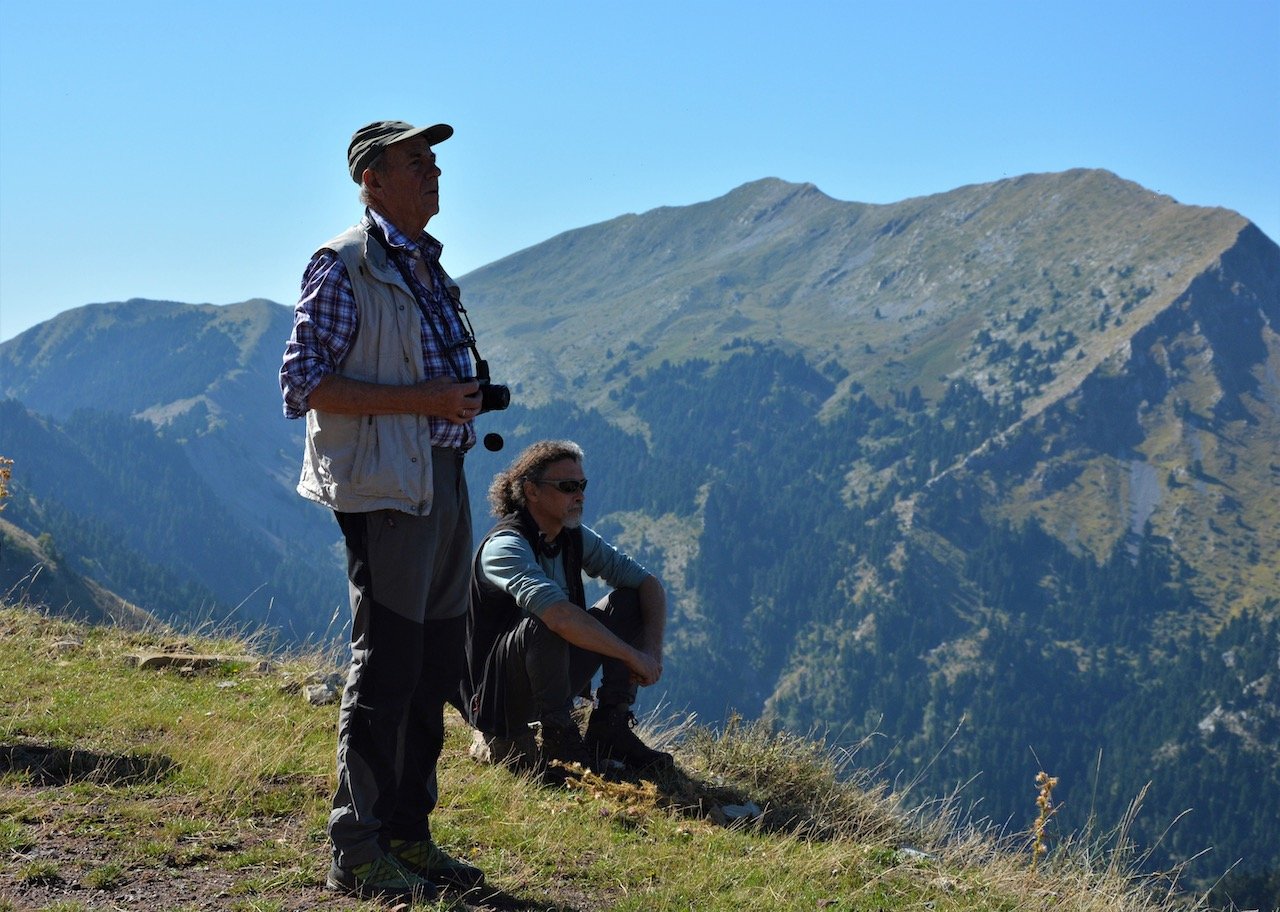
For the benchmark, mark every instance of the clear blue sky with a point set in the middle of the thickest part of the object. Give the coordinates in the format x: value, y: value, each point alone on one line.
x: 195, y: 151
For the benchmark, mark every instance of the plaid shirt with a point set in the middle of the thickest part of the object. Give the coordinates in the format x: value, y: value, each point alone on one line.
x: 326, y: 319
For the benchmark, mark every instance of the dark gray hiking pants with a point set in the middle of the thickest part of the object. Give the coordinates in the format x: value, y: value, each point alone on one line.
x: 409, y: 577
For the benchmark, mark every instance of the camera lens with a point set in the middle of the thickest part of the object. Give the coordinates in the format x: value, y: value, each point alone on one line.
x: 494, y: 397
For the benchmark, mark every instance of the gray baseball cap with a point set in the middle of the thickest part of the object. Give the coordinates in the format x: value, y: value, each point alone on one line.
x: 369, y: 141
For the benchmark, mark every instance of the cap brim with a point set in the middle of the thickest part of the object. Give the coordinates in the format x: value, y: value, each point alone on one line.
x: 436, y: 133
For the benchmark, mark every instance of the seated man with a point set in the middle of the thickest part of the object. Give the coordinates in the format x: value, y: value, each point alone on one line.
x: 532, y: 643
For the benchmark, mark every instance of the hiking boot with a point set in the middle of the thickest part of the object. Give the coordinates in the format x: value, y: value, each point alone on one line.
x: 426, y: 859
x: 609, y: 737
x: 562, y: 741
x: 517, y: 753
x: 383, y: 878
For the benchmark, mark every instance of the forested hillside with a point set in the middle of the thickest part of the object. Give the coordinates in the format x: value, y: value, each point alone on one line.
x: 123, y: 506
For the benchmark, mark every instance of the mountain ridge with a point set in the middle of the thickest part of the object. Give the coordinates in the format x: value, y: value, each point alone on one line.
x: 849, y: 272
x: 878, y: 249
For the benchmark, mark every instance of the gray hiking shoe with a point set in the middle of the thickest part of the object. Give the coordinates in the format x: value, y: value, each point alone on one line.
x: 426, y: 859
x: 384, y: 878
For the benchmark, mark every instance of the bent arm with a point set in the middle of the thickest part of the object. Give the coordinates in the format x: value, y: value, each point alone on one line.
x: 567, y: 620
x: 326, y: 321
x: 439, y: 397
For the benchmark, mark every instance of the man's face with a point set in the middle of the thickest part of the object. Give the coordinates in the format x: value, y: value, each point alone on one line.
x: 549, y: 505
x: 408, y: 188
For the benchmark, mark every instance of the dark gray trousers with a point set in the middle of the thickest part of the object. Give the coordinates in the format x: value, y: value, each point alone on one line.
x: 409, y: 577
x: 543, y: 672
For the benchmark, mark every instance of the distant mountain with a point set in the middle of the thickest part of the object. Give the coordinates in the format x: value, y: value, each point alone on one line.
x: 989, y: 474
x: 157, y: 454
x: 205, y: 375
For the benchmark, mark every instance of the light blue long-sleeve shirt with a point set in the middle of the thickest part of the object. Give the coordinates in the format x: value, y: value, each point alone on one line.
x: 537, y: 581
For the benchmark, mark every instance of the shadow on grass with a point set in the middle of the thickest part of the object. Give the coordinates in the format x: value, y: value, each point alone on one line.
x: 44, y: 765
x: 491, y: 900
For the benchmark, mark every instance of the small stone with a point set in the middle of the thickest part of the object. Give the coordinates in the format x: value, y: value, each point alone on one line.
x: 914, y: 854
x: 740, y: 811
x: 320, y: 694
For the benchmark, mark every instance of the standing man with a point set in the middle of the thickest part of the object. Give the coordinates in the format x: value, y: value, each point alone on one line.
x: 533, y: 644
x: 378, y: 364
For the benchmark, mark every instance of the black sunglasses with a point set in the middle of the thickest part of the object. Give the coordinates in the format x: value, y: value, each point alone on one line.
x: 566, y: 485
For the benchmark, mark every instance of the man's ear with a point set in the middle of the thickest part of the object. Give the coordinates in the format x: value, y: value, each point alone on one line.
x: 369, y: 178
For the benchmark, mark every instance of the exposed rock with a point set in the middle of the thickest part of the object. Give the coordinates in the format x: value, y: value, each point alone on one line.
x: 190, y: 662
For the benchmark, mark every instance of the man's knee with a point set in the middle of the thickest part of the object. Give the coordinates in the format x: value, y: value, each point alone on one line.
x: 626, y: 601
x: 619, y: 610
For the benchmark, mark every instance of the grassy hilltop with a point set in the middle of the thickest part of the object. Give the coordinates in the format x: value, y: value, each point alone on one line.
x: 204, y: 784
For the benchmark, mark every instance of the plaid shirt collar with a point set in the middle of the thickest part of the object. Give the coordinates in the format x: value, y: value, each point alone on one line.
x: 423, y: 245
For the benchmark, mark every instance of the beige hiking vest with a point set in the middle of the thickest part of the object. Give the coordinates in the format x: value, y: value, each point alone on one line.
x: 361, y: 463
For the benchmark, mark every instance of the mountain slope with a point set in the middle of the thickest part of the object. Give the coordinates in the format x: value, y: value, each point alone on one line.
x: 125, y: 507
x: 210, y: 503
x: 130, y: 788
x: 204, y: 374
x: 1064, y: 376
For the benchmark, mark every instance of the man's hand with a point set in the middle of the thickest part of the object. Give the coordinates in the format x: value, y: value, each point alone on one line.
x: 645, y: 669
x: 456, y: 402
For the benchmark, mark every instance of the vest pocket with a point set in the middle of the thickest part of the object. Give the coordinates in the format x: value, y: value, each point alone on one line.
x: 366, y: 460
x: 388, y: 460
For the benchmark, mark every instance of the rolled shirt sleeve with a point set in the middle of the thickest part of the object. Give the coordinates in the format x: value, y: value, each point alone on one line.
x: 537, y: 582
x: 324, y: 323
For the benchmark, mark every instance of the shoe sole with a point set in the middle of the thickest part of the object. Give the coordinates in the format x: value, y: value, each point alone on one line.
x: 380, y: 893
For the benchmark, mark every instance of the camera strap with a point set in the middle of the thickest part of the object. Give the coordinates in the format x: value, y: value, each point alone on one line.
x: 469, y: 335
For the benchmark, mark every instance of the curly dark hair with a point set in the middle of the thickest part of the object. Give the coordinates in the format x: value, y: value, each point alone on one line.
x: 506, y: 493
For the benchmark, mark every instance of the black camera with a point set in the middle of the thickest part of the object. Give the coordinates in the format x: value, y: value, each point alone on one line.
x: 494, y: 397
